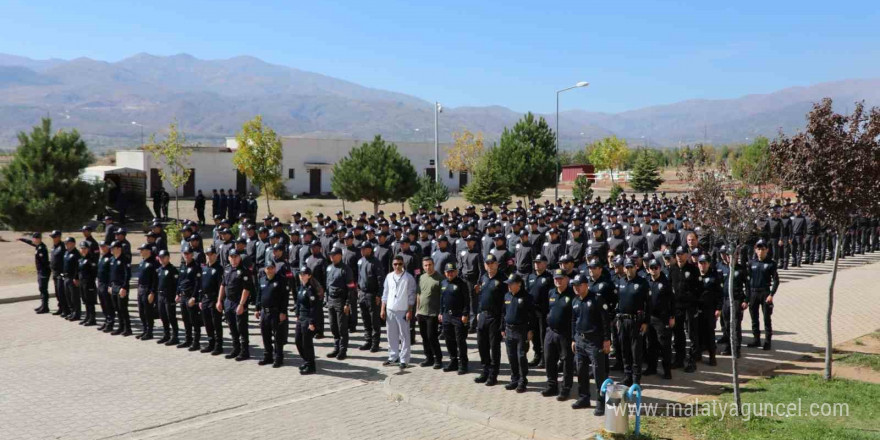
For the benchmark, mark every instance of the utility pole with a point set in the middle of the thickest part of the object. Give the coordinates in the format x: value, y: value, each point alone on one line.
x: 437, y: 110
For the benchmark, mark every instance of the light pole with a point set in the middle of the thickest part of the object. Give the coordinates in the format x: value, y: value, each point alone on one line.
x: 579, y: 84
x: 142, y: 132
x: 437, y: 110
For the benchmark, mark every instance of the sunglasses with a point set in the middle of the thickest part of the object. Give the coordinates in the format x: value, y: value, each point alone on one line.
x: 395, y: 264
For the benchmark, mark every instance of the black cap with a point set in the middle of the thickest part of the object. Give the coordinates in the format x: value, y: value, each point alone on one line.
x: 592, y: 264
x: 443, y: 238
x: 449, y: 267
x: 186, y: 249
x: 211, y: 249
x: 164, y: 253
x: 667, y: 253
x: 277, y: 247
x: 116, y: 244
x: 121, y: 231
x: 55, y: 233
x: 704, y: 259
x: 145, y: 247
x: 233, y: 252
x: 653, y: 263
x: 559, y: 273
x: 241, y: 241
x: 366, y: 245
x: 36, y: 235
x: 579, y: 279
x: 566, y: 259
x: 514, y: 278
x: 84, y: 244
x: 86, y: 228
x: 70, y: 240
x: 680, y: 250
x: 335, y: 251
x: 628, y: 263
x: 491, y: 258
x: 761, y: 243
x: 539, y: 257
x: 306, y: 270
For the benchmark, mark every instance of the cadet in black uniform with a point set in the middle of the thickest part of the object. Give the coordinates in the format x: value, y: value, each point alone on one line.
x: 56, y: 262
x: 272, y: 303
x: 740, y: 298
x: 710, y: 307
x: 539, y: 283
x: 148, y: 277
x: 120, y: 281
x: 44, y: 270
x: 212, y: 276
x: 470, y: 269
x: 659, y: 338
x: 69, y: 274
x: 518, y: 314
x: 87, y: 274
x: 166, y: 285
x: 341, y: 295
x: 188, y: 284
x: 454, y: 305
x: 557, y: 340
x: 370, y: 279
x: 684, y: 277
x: 633, y: 310
x: 591, y: 330
x: 492, y: 290
x: 233, y: 300
x: 308, y: 307
x: 764, y: 280
x: 103, y: 286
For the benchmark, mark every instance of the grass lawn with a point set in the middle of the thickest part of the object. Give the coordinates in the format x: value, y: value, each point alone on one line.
x: 862, y: 422
x: 871, y: 361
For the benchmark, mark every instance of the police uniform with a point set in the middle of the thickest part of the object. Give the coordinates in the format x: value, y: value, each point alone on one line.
x: 659, y: 337
x: 763, y: 282
x: 539, y: 287
x: 87, y: 274
x: 56, y: 262
x: 236, y: 281
x: 108, y: 308
x: 272, y: 303
x: 44, y: 271
x: 686, y: 288
x: 557, y: 338
x: 189, y: 282
x: 454, y: 305
x: 740, y: 280
x: 166, y: 286
x: 492, y: 291
x: 470, y: 269
x: 148, y: 277
x: 710, y: 302
x: 212, y: 277
x: 120, y: 279
x: 340, y: 293
x: 633, y: 310
x: 591, y: 327
x: 308, y: 307
x: 518, y: 314
x: 370, y: 279
x: 69, y: 275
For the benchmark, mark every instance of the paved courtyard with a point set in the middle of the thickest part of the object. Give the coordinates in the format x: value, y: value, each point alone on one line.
x: 61, y: 380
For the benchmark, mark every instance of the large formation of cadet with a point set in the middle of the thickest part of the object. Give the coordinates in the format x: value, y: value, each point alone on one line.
x: 589, y: 286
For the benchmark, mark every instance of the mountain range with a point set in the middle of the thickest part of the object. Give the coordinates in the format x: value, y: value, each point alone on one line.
x: 211, y: 99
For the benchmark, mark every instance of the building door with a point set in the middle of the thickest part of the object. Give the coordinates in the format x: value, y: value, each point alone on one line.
x: 189, y: 188
x: 315, y: 181
x: 462, y: 179
x: 155, y: 181
x: 240, y: 182
x: 431, y: 172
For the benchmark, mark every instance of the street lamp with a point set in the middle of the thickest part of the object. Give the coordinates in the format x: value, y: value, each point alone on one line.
x: 579, y: 84
x: 437, y: 110
x: 142, y: 132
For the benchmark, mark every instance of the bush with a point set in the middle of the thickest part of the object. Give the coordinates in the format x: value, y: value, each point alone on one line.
x: 616, y: 190
x: 583, y: 188
x: 429, y: 194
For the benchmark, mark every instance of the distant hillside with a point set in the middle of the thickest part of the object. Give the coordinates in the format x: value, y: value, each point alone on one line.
x: 211, y: 98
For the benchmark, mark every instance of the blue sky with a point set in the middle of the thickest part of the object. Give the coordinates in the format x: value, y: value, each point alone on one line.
x: 510, y: 53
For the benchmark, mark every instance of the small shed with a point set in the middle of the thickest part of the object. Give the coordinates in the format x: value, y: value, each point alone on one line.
x: 570, y: 172
x: 125, y: 189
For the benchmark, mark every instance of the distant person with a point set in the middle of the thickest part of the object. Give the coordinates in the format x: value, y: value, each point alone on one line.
x: 200, y: 207
x: 157, y: 203
x: 221, y: 206
x: 165, y: 199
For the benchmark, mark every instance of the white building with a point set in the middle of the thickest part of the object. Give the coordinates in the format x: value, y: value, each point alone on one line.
x: 307, y: 165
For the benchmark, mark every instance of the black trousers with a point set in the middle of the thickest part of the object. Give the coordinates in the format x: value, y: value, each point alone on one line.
x: 192, y: 318
x: 455, y: 335
x: 631, y: 347
x: 797, y: 250
x: 274, y: 331
x: 107, y: 306
x: 757, y: 303
x: 120, y: 303
x: 73, y: 300
x: 213, y: 322
x: 590, y: 356
x: 89, y: 294
x: 516, y: 339
x: 707, y: 329
x: 539, y: 329
x: 725, y: 327
x: 43, y: 285
x: 238, y: 324
x: 338, y: 322
x: 429, y: 329
x: 146, y: 311
x: 371, y: 313
x: 201, y: 214
x: 60, y: 296
x: 557, y: 345
x: 475, y: 303
x: 659, y: 340
x: 679, y: 335
x: 305, y: 343
x: 168, y: 315
x: 489, y: 343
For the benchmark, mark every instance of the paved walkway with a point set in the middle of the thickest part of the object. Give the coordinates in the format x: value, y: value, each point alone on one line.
x: 60, y: 380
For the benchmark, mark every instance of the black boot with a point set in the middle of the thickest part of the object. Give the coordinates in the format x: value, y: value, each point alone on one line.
x: 102, y: 326
x: 236, y: 350
x: 165, y: 338
x: 550, y: 391
x: 367, y: 345
x: 482, y: 378
x: 244, y: 355
x: 335, y: 351
x: 109, y: 327
x: 712, y: 361
x: 208, y: 348
x: 119, y: 330
x: 755, y: 344
x: 343, y: 353
x: 127, y: 331
x: 90, y: 320
x: 148, y: 334
x: 279, y: 360
x: 196, y: 342
x: 451, y: 366
x: 187, y: 342
x: 267, y: 359
x: 173, y: 341
x: 218, y: 349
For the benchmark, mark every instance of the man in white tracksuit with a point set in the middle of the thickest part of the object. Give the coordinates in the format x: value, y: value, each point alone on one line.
x: 398, y: 300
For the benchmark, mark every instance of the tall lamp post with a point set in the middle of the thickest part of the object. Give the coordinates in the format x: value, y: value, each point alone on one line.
x: 142, y: 131
x: 558, y: 170
x: 437, y: 110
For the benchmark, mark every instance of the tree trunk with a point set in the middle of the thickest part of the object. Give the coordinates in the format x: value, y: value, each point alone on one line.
x: 177, y: 202
x: 343, y: 207
x: 734, y: 344
x: 268, y: 206
x: 828, y: 343
x: 375, y: 207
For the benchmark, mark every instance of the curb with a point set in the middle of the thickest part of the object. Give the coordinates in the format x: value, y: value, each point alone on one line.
x: 16, y: 299
x: 483, y: 418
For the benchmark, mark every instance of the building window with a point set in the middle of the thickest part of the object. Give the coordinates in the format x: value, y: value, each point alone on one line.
x: 450, y: 174
x: 290, y: 173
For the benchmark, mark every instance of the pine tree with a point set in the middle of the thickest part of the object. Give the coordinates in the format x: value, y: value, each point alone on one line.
x: 375, y: 172
x: 536, y: 134
x: 430, y: 193
x: 488, y: 186
x: 646, y: 174
x: 583, y: 188
x: 40, y: 189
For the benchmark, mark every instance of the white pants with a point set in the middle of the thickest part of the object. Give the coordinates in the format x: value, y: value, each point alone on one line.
x: 398, y: 336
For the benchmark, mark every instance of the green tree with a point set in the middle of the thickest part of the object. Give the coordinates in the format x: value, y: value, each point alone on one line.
x: 430, y: 193
x: 610, y: 153
x: 375, y: 172
x: 487, y: 186
x: 754, y: 161
x: 174, y: 155
x: 259, y: 157
x: 646, y: 174
x: 522, y: 167
x: 616, y: 190
x: 40, y: 188
x: 537, y: 135
x: 583, y: 188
